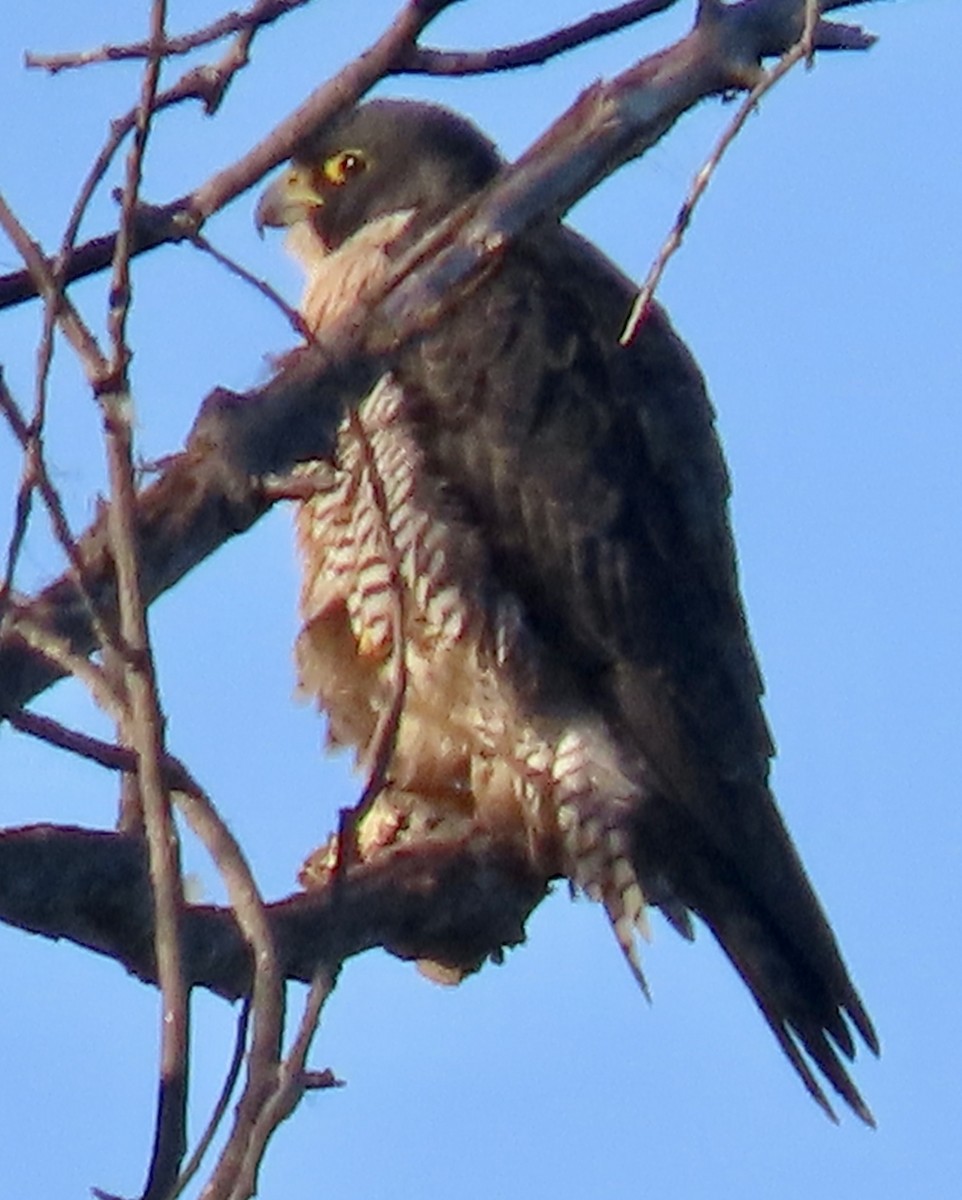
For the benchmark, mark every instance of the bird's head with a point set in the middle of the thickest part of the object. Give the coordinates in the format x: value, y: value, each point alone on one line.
x: 383, y: 158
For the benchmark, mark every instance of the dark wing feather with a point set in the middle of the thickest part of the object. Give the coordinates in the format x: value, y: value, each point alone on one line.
x: 595, y: 478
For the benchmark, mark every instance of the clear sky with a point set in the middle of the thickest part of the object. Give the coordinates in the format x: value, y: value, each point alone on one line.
x: 817, y: 288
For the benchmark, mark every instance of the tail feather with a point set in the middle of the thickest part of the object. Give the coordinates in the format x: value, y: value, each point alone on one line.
x: 757, y: 902
x: 805, y: 1023
x: 773, y: 931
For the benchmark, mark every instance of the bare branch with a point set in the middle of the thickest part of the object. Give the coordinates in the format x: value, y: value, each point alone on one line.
x: 120, y: 282
x: 235, y: 268
x: 192, y: 1166
x: 646, y: 294
x: 32, y: 460
x: 292, y: 1082
x: 44, y: 282
x: 426, y: 61
x: 38, y: 477
x: 59, y: 652
x: 208, y: 84
x: 267, y: 990
x: 257, y: 16
x: 142, y: 723
x: 452, y: 903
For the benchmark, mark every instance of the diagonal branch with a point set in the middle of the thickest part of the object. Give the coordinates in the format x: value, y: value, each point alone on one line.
x: 427, y: 61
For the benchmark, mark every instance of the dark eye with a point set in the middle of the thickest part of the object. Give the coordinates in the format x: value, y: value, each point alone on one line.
x: 340, y: 167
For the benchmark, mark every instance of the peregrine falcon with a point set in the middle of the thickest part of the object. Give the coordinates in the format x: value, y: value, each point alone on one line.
x: 523, y: 546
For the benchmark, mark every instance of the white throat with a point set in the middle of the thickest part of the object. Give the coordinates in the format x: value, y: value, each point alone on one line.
x: 338, y: 279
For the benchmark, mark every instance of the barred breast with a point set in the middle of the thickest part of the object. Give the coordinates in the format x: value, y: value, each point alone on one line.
x: 391, y: 591
x: 395, y: 594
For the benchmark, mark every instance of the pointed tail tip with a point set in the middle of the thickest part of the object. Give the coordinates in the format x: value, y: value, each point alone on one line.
x: 860, y: 1108
x: 852, y: 1007
x: 867, y: 1116
x: 851, y: 1097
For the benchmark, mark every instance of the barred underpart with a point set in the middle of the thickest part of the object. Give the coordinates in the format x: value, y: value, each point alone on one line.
x: 382, y: 576
x: 376, y: 563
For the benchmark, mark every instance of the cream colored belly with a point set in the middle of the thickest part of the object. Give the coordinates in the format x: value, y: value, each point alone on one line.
x: 384, y: 579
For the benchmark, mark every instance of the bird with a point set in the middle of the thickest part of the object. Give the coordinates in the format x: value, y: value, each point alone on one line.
x: 523, y: 552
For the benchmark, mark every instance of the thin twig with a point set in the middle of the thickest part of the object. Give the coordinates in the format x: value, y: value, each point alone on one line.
x: 208, y: 84
x: 46, y: 284
x: 21, y: 520
x: 78, y: 334
x: 192, y: 1165
x: 263, y: 13
x: 267, y: 996
x: 292, y: 1081
x: 699, y: 186
x: 22, y: 505
x: 143, y: 725
x: 120, y: 282
x: 33, y: 456
x: 46, y: 729
x: 293, y: 316
x: 59, y: 651
x: 427, y: 61
x: 813, y: 12
x: 30, y: 439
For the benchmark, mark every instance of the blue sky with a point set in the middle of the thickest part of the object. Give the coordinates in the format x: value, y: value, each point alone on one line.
x: 818, y: 289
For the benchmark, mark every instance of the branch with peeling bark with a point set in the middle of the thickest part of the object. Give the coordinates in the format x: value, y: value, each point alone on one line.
x: 451, y: 903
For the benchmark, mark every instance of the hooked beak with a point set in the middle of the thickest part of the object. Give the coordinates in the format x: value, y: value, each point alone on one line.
x: 289, y: 199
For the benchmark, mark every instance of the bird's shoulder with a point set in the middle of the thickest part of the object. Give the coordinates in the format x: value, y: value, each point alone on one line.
x: 594, y: 474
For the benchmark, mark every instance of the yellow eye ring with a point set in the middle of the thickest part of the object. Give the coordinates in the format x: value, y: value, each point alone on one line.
x: 340, y: 167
